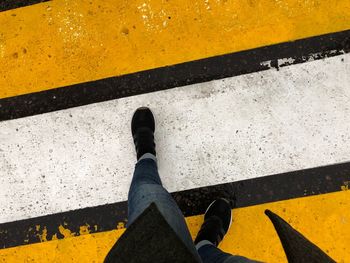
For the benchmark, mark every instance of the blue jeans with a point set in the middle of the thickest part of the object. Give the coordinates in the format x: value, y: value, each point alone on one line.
x: 146, y: 187
x: 211, y: 254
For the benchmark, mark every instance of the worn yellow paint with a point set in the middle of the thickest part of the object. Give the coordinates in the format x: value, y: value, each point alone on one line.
x: 43, y: 234
x: 65, y: 231
x: 346, y: 185
x: 324, y: 219
x: 64, y: 42
x: 83, y: 230
x: 120, y: 225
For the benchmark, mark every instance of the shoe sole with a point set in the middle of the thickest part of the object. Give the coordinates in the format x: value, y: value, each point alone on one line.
x: 230, y: 210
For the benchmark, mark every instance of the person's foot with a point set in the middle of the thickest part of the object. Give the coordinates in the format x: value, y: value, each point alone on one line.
x: 217, y: 221
x: 142, y: 129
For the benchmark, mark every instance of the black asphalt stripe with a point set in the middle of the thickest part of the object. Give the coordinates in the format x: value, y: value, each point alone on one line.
x: 245, y: 193
x: 13, y: 4
x: 174, y: 76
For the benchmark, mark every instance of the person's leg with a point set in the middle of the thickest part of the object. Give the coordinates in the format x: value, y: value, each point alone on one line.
x: 211, y: 254
x: 146, y: 186
x: 217, y: 221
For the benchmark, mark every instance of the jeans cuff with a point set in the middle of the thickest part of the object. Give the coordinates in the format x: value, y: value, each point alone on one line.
x: 148, y: 156
x: 203, y: 243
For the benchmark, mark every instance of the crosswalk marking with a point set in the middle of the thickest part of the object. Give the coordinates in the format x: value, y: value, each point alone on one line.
x: 251, y: 234
x: 58, y: 43
x: 84, y: 156
x: 232, y: 105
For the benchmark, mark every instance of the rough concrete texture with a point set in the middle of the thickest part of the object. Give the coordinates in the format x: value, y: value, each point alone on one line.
x: 221, y: 131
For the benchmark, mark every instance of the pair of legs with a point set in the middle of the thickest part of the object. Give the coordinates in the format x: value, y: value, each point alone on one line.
x: 146, y: 187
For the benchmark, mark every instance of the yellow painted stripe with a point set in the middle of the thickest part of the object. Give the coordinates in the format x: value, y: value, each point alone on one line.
x: 63, y: 42
x: 324, y: 219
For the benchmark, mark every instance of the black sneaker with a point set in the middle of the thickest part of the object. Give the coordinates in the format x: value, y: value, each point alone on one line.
x: 217, y: 221
x: 142, y: 129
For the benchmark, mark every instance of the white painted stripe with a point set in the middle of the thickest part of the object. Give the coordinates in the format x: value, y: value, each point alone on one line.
x: 226, y: 130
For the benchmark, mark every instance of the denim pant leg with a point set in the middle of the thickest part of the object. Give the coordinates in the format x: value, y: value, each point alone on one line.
x: 211, y: 254
x: 146, y: 187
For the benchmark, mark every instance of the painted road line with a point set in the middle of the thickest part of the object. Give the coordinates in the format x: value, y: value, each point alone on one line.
x: 60, y: 43
x: 192, y: 202
x: 221, y: 131
x: 179, y: 75
x: 13, y: 4
x: 250, y: 227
